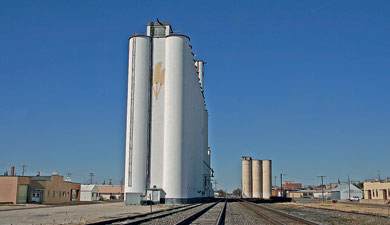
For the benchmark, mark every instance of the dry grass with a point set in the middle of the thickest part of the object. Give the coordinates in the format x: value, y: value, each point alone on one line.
x: 360, y: 208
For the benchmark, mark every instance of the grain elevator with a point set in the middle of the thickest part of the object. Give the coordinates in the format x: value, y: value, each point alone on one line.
x: 167, y: 152
x: 256, y: 178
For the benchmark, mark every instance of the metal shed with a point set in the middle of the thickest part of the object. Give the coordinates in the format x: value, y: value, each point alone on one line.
x: 89, y: 193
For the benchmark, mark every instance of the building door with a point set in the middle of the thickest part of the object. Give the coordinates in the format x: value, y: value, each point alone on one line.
x: 36, y: 197
x: 74, y: 195
x: 22, y: 193
x: 385, y: 194
x: 369, y: 194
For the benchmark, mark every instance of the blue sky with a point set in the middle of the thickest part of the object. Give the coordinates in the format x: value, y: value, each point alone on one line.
x: 304, y: 83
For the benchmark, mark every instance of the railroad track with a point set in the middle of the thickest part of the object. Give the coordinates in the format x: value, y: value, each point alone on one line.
x: 178, y: 216
x: 275, y: 216
x: 214, y: 216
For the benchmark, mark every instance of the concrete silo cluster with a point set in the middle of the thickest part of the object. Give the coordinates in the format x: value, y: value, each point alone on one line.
x: 167, y: 152
x: 256, y: 178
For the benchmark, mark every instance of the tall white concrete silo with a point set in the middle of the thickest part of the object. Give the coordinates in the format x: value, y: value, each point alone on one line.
x: 138, y: 106
x: 267, y: 178
x: 257, y: 178
x: 246, y: 177
x: 173, y: 119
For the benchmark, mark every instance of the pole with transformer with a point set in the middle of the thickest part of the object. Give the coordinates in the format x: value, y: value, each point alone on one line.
x: 322, y: 187
x: 281, y: 185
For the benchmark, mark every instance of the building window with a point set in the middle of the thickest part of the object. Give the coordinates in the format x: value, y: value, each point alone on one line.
x: 54, y: 194
x: 377, y: 193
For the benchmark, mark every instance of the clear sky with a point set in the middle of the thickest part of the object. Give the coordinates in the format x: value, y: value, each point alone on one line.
x: 304, y: 83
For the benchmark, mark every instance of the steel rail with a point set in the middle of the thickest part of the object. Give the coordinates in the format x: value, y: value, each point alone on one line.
x: 163, y: 215
x: 263, y: 215
x: 166, y: 211
x: 222, y: 215
x: 296, y: 218
x: 282, y: 214
x: 196, y: 215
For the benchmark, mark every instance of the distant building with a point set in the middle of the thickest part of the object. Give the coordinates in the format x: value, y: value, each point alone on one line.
x: 318, y: 194
x: 89, y: 192
x: 291, y: 186
x: 38, y: 189
x: 346, y: 192
x: 376, y: 192
x: 110, y: 191
x: 301, y: 194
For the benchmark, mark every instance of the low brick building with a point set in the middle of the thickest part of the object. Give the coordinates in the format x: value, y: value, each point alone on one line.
x: 14, y: 189
x: 38, y: 189
x: 376, y: 192
x: 53, y: 189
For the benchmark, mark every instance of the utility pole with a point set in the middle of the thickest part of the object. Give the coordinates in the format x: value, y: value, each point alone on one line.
x: 281, y: 185
x: 322, y: 187
x: 122, y: 186
x: 349, y: 189
x: 91, y: 175
x: 24, y: 168
x: 215, y: 185
x: 275, y: 180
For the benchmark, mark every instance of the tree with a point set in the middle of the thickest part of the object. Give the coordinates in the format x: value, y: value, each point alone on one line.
x: 359, y: 185
x: 237, y: 192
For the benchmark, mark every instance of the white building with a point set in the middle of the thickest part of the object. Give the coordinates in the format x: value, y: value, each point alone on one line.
x: 344, y: 192
x: 89, y: 193
x: 167, y: 121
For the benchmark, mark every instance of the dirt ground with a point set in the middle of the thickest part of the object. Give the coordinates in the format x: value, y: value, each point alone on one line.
x: 71, y: 214
x: 372, y: 209
x: 356, y: 207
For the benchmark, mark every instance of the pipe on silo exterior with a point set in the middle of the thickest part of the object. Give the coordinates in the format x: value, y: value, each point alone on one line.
x: 201, y: 73
x: 267, y: 179
x: 173, y: 117
x: 246, y: 177
x: 257, y: 178
x: 137, y: 124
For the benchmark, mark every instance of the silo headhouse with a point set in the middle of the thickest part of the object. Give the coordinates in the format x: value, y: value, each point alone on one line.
x: 167, y: 152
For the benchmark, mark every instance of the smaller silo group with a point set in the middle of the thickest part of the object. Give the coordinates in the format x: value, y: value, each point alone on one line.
x: 256, y: 178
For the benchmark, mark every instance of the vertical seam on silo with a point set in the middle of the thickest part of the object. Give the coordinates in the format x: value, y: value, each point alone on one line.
x: 130, y: 183
x: 148, y: 168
